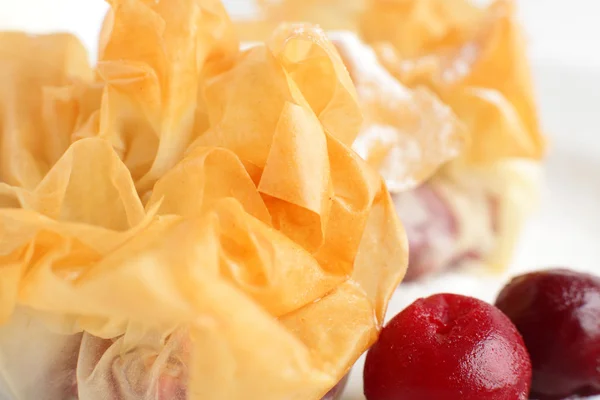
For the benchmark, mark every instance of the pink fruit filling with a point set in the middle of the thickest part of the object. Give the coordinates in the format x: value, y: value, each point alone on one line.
x: 435, y: 230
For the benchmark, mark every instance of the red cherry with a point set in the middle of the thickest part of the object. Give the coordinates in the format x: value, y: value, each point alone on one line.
x: 558, y: 314
x: 448, y: 347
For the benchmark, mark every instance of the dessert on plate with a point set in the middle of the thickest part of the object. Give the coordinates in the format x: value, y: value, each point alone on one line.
x: 467, y: 66
x: 187, y: 220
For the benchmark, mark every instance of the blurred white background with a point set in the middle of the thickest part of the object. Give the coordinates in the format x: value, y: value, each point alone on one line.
x: 560, y: 31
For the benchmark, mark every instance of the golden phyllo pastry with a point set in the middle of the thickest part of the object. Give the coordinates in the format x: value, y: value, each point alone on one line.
x: 186, y: 220
x: 462, y: 68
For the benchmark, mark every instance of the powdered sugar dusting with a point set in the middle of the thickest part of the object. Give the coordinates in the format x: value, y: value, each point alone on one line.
x: 364, y: 67
x: 461, y: 65
x: 407, y: 133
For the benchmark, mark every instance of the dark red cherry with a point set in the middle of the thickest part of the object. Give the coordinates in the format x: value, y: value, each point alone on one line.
x: 448, y: 347
x: 558, y: 315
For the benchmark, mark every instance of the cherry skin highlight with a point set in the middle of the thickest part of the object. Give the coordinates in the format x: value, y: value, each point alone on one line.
x: 448, y: 347
x: 558, y: 313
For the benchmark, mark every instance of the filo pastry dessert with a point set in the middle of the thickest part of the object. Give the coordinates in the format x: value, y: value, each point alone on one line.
x: 186, y: 220
x: 469, y: 65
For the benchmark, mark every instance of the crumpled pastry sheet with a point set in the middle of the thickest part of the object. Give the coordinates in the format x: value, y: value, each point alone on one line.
x: 461, y: 57
x: 406, y: 134
x: 473, y: 58
x: 185, y: 220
